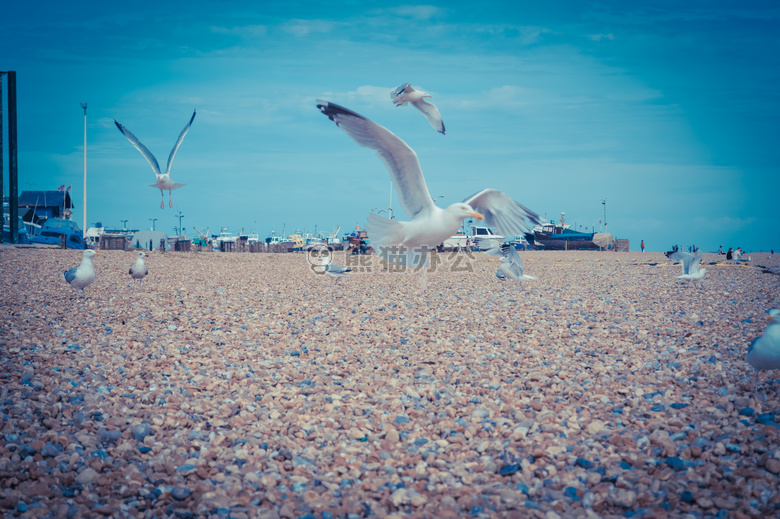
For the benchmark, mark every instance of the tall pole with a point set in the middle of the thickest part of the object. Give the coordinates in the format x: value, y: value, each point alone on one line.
x: 2, y: 188
x: 13, y: 175
x: 180, y: 216
x: 84, y: 222
x: 604, y: 203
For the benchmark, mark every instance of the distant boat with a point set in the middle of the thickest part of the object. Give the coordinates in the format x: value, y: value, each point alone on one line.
x: 549, y: 236
x: 53, y: 229
x: 462, y: 240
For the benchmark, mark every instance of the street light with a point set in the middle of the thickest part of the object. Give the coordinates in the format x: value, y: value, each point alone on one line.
x: 84, y: 222
x: 604, y: 203
x: 179, y: 216
x: 124, y: 224
x: 153, y: 222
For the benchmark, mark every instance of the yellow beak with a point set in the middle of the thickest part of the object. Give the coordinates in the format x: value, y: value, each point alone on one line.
x: 476, y: 215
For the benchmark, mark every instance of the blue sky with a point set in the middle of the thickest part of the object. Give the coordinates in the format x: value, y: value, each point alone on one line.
x: 668, y: 110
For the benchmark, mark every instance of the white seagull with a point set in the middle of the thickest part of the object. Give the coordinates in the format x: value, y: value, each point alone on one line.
x: 510, y: 265
x: 138, y: 270
x: 81, y: 276
x: 337, y: 271
x: 164, y: 182
x: 407, y: 94
x: 690, y: 264
x: 409, y: 242
x: 764, y: 351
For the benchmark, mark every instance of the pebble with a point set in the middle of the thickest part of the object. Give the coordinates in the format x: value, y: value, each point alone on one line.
x: 605, y: 388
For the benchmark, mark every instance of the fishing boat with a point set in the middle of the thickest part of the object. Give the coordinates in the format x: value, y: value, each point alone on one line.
x: 461, y: 240
x: 549, y: 236
x: 54, y: 230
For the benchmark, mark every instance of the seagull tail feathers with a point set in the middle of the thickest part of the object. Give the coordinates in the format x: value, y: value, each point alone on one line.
x: 386, y: 236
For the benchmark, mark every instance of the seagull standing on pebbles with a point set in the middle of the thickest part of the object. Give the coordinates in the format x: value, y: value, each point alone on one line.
x: 81, y: 276
x: 764, y: 351
x: 406, y: 94
x: 337, y: 271
x: 164, y: 181
x: 138, y: 270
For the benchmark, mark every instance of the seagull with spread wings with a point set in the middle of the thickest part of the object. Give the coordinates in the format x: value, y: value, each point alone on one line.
x: 164, y: 182
x: 409, y: 242
x: 405, y: 94
x: 690, y: 264
x: 510, y: 265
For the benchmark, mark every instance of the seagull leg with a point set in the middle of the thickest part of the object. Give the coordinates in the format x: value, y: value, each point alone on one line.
x: 162, y: 199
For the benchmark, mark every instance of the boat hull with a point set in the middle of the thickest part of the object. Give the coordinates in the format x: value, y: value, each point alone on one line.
x: 564, y: 241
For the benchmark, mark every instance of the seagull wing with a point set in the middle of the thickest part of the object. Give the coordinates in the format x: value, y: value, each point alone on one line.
x: 502, y: 213
x: 489, y: 247
x: 693, y: 268
x: 140, y: 147
x: 178, y: 142
x: 400, y: 160
x: 684, y: 258
x: 70, y: 275
x: 398, y: 92
x: 431, y: 113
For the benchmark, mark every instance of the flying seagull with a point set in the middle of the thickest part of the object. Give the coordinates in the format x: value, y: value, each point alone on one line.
x: 690, y: 264
x: 510, y: 265
x: 407, y: 94
x: 138, y: 270
x: 81, y: 276
x: 764, y: 351
x: 409, y: 242
x: 164, y: 182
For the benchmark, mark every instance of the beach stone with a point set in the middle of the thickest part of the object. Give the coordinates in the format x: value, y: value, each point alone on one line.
x: 87, y: 476
x: 773, y: 466
x: 141, y: 431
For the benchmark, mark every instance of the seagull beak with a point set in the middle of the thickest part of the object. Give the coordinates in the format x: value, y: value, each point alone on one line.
x: 476, y: 215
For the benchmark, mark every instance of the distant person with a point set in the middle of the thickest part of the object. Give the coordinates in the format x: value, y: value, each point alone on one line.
x: 738, y: 253
x: 730, y: 254
x: 720, y: 249
x: 642, y: 245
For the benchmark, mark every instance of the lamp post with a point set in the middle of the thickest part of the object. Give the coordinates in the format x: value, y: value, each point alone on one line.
x: 84, y: 221
x: 604, y: 203
x: 124, y: 224
x: 153, y: 222
x: 179, y: 216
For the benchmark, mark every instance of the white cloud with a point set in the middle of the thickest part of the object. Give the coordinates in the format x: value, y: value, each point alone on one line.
x: 247, y: 31
x: 599, y: 37
x: 302, y: 28
x: 418, y: 12
x: 507, y: 96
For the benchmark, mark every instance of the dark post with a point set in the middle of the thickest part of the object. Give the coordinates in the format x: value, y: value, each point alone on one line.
x: 2, y: 190
x: 13, y: 180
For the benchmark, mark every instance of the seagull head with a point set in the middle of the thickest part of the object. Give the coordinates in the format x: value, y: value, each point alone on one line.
x: 463, y: 211
x: 88, y: 253
x: 142, y: 255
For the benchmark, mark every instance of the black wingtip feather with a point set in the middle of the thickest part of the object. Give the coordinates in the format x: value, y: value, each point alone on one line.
x: 332, y: 110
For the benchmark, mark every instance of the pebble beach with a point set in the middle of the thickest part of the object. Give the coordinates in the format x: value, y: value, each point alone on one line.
x: 248, y: 386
